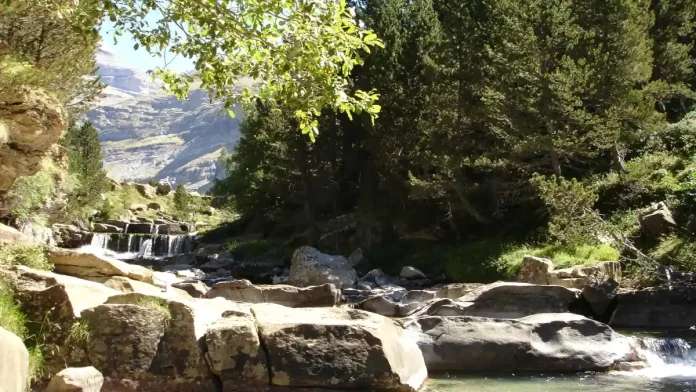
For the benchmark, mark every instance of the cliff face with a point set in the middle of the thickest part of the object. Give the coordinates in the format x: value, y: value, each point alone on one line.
x: 31, y: 122
x: 147, y: 134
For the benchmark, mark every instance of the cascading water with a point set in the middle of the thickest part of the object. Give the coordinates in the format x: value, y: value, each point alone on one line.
x: 135, y: 246
x: 667, y: 358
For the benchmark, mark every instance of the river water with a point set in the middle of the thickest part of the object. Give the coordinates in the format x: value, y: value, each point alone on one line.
x: 671, y: 368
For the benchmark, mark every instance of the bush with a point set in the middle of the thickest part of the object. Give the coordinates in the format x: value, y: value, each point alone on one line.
x: 562, y: 256
x: 28, y: 255
x: 678, y: 138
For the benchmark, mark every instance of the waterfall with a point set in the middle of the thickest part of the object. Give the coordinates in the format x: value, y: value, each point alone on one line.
x: 667, y: 358
x: 145, y: 248
x: 100, y: 240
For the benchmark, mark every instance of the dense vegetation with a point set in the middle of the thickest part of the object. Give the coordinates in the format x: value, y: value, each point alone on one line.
x: 502, y: 122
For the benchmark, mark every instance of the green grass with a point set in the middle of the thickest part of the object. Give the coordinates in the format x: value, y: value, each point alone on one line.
x: 246, y: 249
x: 80, y: 333
x: 28, y: 255
x: 37, y: 365
x: 11, y: 317
x: 158, y: 304
x: 562, y: 256
x: 677, y: 252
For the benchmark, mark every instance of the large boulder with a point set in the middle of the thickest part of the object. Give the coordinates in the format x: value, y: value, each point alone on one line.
x: 658, y: 307
x: 235, y: 353
x: 84, y: 264
x: 146, y: 190
x: 562, y: 342
x: 656, y: 220
x: 338, y: 348
x: 195, y: 289
x: 535, y: 270
x: 31, y: 122
x: 52, y: 304
x: 14, y: 363
x: 70, y: 236
x: 85, y: 379
x: 408, y: 272
x: 505, y: 300
x: 600, y: 297
x: 127, y: 286
x: 178, y: 362
x: 312, y: 268
x: 294, y: 297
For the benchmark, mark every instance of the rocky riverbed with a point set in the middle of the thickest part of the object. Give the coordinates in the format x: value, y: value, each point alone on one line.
x: 203, y: 321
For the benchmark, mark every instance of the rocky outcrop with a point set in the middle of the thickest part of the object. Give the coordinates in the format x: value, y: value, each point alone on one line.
x: 235, y: 352
x: 456, y: 290
x: 290, y: 296
x: 86, y: 379
x: 14, y: 363
x: 338, y: 348
x: 31, y: 122
x: 128, y: 286
x: 657, y: 307
x: 196, y: 289
x: 146, y: 190
x: 83, y: 264
x: 70, y: 236
x: 312, y: 268
x: 600, y: 298
x: 656, y: 220
x: 543, y: 342
x: 106, y: 228
x: 540, y: 271
x: 411, y: 273
x: 505, y: 300
x: 52, y: 304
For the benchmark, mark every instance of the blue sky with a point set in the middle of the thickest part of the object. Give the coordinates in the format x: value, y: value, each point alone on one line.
x: 140, y: 58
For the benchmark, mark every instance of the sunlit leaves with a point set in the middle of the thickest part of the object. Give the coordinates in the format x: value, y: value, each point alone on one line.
x: 301, y: 51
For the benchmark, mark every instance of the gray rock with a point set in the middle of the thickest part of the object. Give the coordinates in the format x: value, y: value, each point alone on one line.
x: 456, y: 290
x: 311, y: 268
x: 217, y: 264
x: 411, y: 273
x: 542, y: 343
x: 385, y: 306
x: 535, y: 270
x: 658, y: 307
x: 86, y: 379
x: 235, y: 353
x: 171, y: 228
x: 104, y: 228
x: 14, y: 366
x: 657, y: 220
x: 294, y: 297
x: 506, y: 300
x: 599, y: 296
x: 135, y: 207
x: 69, y: 236
x: 155, y: 206
x: 338, y: 348
x: 378, y: 277
x: 196, y: 289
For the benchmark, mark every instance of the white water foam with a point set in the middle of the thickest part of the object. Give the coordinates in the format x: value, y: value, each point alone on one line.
x: 667, y: 358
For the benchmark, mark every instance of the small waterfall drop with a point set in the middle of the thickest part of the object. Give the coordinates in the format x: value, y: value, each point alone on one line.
x: 100, y: 240
x: 145, y: 248
x: 667, y: 358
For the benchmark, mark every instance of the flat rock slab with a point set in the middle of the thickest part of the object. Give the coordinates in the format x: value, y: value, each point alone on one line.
x: 86, y: 379
x: 291, y: 296
x: 658, y: 307
x: 14, y: 362
x: 83, y: 264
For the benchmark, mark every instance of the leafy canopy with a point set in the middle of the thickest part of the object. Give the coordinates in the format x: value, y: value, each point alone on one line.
x: 302, y: 51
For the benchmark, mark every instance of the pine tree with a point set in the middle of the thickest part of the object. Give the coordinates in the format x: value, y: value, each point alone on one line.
x: 85, y: 163
x: 182, y: 202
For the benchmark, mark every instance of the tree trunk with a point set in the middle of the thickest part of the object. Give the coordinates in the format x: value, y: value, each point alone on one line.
x: 555, y: 163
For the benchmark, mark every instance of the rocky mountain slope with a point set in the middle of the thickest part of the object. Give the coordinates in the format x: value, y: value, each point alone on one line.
x: 148, y: 134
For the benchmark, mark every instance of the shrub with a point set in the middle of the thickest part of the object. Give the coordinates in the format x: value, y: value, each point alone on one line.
x: 31, y: 256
